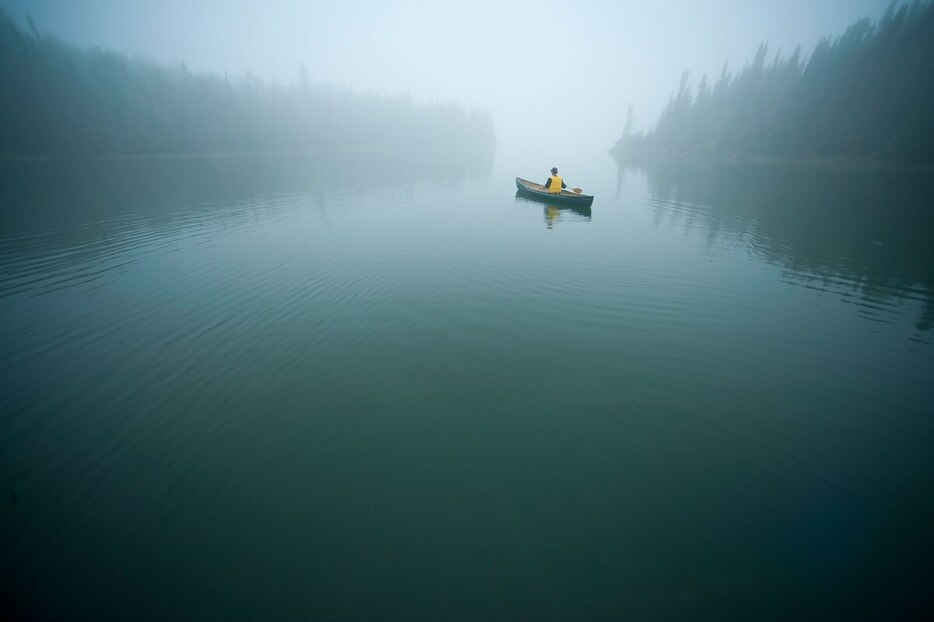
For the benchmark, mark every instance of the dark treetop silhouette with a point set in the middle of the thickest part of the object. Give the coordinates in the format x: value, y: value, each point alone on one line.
x: 865, y: 95
x: 60, y: 100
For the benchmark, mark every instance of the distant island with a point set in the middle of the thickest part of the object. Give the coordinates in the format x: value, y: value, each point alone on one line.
x: 61, y: 101
x: 864, y: 97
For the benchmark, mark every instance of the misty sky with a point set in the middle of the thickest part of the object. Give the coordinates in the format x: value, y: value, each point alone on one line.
x: 558, y: 74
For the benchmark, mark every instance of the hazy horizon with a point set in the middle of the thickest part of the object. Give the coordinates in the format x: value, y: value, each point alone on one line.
x: 273, y: 351
x: 556, y: 78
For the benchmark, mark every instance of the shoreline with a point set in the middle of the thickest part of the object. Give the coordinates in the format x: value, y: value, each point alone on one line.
x: 731, y: 159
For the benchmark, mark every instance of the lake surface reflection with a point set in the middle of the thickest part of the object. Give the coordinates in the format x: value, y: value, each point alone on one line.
x: 281, y: 386
x: 860, y: 235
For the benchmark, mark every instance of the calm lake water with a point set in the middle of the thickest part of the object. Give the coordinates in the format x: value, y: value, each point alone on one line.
x: 346, y: 388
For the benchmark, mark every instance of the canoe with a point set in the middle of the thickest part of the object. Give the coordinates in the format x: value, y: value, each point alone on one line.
x: 537, y: 191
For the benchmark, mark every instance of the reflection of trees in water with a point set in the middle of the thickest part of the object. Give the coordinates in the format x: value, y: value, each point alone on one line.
x: 59, y: 192
x: 78, y: 209
x: 835, y: 230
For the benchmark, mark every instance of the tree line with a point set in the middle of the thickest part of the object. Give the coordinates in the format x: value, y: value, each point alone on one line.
x: 61, y: 100
x: 867, y: 94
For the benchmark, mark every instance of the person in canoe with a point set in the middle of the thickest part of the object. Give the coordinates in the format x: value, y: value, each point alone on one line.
x: 555, y: 183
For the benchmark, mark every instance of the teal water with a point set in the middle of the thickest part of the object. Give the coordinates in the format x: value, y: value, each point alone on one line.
x: 284, y: 387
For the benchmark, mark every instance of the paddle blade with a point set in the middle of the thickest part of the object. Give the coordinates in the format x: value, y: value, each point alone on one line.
x: 576, y: 190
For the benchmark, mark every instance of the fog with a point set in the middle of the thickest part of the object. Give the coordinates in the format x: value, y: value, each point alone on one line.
x: 286, y: 334
x: 557, y: 77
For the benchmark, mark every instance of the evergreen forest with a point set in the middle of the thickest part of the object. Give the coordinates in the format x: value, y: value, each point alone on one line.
x: 867, y: 95
x: 59, y: 100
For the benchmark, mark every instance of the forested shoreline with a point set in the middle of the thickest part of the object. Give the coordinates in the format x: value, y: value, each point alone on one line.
x: 866, y: 96
x: 61, y: 101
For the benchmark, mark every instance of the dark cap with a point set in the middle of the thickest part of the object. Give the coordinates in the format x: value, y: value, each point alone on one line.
x: 554, y: 169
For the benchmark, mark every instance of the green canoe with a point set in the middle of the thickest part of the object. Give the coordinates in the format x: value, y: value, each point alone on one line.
x: 534, y: 190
